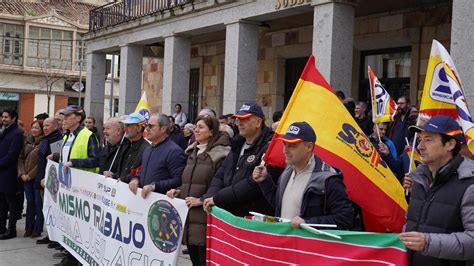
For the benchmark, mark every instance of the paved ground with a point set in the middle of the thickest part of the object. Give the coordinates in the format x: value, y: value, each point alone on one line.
x: 23, y: 251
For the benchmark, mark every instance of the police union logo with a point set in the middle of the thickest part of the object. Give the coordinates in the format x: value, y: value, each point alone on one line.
x: 145, y: 113
x: 164, y: 226
x: 439, y: 87
x: 52, y: 182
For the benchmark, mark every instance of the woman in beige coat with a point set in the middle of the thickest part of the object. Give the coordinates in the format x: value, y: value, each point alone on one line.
x: 204, y: 158
x: 27, y: 166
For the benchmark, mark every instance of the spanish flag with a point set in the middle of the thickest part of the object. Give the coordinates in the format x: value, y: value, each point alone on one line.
x: 383, y: 106
x: 416, y: 157
x: 142, y: 107
x: 341, y: 143
x: 443, y: 93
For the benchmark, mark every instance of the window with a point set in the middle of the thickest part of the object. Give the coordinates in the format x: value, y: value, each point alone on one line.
x: 49, y: 48
x: 392, y: 68
x: 80, y: 52
x: 11, y: 44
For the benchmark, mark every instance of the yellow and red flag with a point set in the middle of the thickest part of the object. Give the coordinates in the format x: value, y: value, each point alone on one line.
x: 341, y: 143
x: 383, y: 106
x: 143, y: 107
x: 443, y: 92
x: 416, y: 157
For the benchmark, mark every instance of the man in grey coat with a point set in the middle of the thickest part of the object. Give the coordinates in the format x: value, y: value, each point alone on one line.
x: 440, y: 218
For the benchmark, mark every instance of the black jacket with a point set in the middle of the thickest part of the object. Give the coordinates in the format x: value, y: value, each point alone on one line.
x: 107, y: 156
x: 11, y: 143
x: 325, y: 200
x: 54, y: 138
x: 232, y: 187
x: 131, y: 160
x: 399, y: 130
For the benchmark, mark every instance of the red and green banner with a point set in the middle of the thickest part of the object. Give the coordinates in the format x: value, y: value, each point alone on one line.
x: 233, y: 240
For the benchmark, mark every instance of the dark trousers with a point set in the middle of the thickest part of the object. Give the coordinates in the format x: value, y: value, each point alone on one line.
x: 197, y: 254
x: 39, y: 218
x: 30, y: 205
x: 8, y: 203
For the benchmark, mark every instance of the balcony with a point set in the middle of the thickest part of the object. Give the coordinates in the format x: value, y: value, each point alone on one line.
x: 120, y: 12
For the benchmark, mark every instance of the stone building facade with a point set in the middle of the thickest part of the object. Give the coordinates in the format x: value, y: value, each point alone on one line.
x: 218, y: 54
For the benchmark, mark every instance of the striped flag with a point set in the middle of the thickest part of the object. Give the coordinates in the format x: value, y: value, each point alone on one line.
x: 341, y: 143
x: 383, y: 106
x: 416, y: 157
x: 443, y: 93
x: 142, y: 107
x: 232, y: 240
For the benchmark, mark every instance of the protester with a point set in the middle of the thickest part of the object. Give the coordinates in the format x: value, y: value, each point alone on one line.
x: 89, y: 123
x: 207, y: 111
x: 348, y: 102
x: 276, y: 119
x: 80, y: 148
x: 115, y: 145
x: 162, y: 162
x: 223, y: 120
x: 27, y: 168
x: 440, y: 224
x: 364, y: 121
x: 231, y: 188
x: 231, y: 123
x: 308, y: 190
x: 179, y: 116
x: 176, y: 134
x: 404, y: 118
x: 11, y: 143
x: 131, y: 159
x: 188, y: 132
x: 204, y: 158
x: 50, y: 142
x: 59, y: 117
x: 379, y: 131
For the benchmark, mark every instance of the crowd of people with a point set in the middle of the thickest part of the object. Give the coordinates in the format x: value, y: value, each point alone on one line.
x: 218, y: 161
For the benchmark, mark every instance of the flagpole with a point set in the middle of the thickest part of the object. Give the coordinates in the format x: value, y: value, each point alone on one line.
x: 378, y: 131
x: 412, y: 154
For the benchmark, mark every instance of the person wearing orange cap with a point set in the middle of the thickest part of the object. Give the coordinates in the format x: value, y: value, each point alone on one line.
x: 308, y: 190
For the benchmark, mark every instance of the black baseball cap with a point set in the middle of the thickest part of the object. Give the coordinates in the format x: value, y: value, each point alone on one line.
x: 299, y: 132
x: 442, y: 124
x: 249, y: 109
x: 41, y: 116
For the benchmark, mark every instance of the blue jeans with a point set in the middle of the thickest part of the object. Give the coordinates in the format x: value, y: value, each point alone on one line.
x: 39, y: 218
x: 30, y: 205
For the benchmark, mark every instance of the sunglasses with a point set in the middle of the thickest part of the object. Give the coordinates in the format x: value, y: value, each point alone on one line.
x: 150, y: 126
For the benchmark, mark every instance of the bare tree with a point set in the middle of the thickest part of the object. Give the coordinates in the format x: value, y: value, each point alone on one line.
x: 50, y: 77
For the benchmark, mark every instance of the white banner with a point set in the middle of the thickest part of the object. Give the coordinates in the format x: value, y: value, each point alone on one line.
x: 101, y: 222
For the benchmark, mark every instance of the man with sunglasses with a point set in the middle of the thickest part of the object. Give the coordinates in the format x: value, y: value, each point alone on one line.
x: 162, y: 163
x: 405, y: 117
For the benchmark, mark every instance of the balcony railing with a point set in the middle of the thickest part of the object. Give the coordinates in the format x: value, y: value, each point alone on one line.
x: 122, y: 11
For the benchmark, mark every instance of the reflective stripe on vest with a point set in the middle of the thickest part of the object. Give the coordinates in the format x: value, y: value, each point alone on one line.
x: 80, y: 147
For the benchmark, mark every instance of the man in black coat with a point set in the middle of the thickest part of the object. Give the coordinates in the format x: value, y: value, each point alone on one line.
x: 308, y: 190
x: 232, y: 188
x: 11, y: 143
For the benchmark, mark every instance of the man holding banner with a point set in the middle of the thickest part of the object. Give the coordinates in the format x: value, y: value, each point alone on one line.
x: 440, y: 218
x: 308, y: 190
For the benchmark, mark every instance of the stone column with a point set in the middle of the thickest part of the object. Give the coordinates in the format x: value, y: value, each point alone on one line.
x: 95, y: 87
x: 333, y: 36
x: 462, y: 41
x: 240, y: 78
x: 131, y: 65
x: 176, y: 65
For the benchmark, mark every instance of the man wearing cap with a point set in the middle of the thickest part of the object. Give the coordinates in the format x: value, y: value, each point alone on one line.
x: 80, y: 148
x: 308, y: 190
x: 131, y: 160
x: 115, y: 145
x: 162, y: 163
x: 232, y: 187
x: 440, y: 217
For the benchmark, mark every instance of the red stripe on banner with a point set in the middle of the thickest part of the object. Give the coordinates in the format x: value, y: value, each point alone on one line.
x: 257, y: 248
x: 311, y: 74
x: 433, y: 112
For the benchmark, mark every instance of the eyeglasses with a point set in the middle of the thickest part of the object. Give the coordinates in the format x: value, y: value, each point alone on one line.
x: 401, y: 103
x: 150, y: 126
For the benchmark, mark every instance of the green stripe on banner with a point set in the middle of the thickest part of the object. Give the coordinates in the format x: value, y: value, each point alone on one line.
x: 350, y: 237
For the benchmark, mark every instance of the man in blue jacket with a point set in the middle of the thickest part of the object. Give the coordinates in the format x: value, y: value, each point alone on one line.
x: 308, y: 190
x: 162, y: 163
x: 11, y: 143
